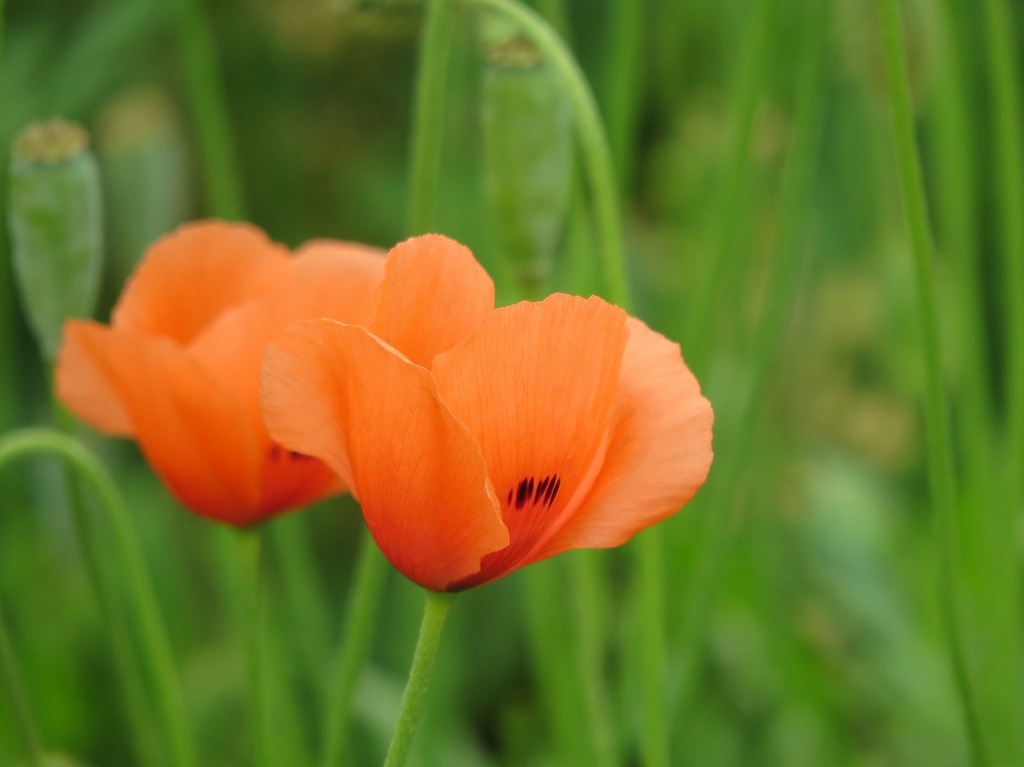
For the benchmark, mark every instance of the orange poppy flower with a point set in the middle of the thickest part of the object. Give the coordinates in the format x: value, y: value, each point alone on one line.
x: 481, y: 440
x: 178, y: 367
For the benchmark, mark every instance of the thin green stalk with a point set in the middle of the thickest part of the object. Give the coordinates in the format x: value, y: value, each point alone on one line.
x: 651, y: 596
x: 719, y: 528
x: 549, y: 635
x: 940, y: 463
x: 957, y: 234
x: 593, y: 142
x: 589, y: 597
x: 428, y: 120
x: 249, y: 545
x: 1008, y: 141
x: 357, y: 631
x: 727, y: 211
x: 156, y: 649
x: 622, y: 84
x: 435, y: 611
x: 987, y: 542
x: 10, y: 678
x: 221, y: 178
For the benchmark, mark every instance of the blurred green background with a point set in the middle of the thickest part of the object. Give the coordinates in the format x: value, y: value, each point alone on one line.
x: 756, y: 175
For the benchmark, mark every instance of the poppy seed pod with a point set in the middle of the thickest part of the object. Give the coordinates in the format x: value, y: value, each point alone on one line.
x: 527, y: 142
x: 56, y: 225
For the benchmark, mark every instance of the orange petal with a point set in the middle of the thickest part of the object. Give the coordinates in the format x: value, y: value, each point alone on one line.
x: 335, y: 392
x: 190, y: 277
x: 434, y: 293
x: 660, y: 450
x: 536, y: 384
x: 326, y: 279
x: 338, y: 280
x: 195, y: 435
x: 84, y: 386
x: 291, y: 480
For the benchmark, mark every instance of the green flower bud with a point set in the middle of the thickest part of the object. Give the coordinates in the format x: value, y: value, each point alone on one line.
x: 528, y: 155
x: 56, y: 227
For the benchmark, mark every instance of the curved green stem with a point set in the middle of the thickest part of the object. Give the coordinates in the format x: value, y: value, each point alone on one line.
x: 10, y: 678
x: 428, y: 120
x: 357, y: 631
x: 249, y: 545
x: 940, y: 463
x: 593, y: 142
x: 104, y: 584
x: 155, y: 647
x: 435, y: 611
x: 209, y: 110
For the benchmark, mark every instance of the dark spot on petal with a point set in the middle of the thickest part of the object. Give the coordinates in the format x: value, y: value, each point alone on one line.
x: 522, y: 494
x: 509, y: 501
x: 541, y: 486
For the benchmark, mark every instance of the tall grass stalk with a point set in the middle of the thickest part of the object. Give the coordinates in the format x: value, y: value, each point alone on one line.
x: 1001, y: 33
x: 221, y: 178
x: 428, y: 118
x: 356, y: 632
x: 786, y: 262
x: 987, y: 540
x: 727, y: 211
x: 954, y: 158
x: 939, y: 447
x: 588, y: 591
x: 622, y: 87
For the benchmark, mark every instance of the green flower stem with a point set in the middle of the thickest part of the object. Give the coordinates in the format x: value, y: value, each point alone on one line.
x: 155, y: 647
x: 727, y: 210
x: 597, y: 158
x: 428, y: 121
x: 940, y: 463
x: 10, y: 678
x: 221, y: 178
x: 357, y: 631
x: 435, y: 611
x: 249, y: 545
x: 1004, y: 63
